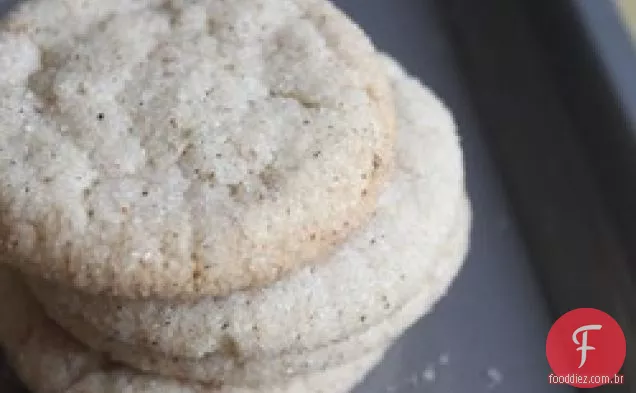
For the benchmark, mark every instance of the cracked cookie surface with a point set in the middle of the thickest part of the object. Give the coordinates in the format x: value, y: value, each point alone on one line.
x: 182, y: 148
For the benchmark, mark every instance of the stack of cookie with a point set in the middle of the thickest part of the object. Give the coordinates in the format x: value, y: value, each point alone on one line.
x: 210, y: 196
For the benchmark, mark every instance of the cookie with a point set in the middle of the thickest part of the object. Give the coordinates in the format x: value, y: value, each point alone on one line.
x: 369, y: 279
x: 180, y: 148
x: 49, y: 361
x: 231, y: 367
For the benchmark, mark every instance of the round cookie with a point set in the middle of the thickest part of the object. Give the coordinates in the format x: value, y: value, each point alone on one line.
x: 49, y: 361
x: 369, y: 278
x: 363, y: 279
x: 230, y: 367
x: 182, y: 148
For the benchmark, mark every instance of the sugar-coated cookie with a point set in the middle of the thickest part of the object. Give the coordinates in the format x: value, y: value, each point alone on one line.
x: 296, y: 323
x: 186, y: 147
x: 49, y: 361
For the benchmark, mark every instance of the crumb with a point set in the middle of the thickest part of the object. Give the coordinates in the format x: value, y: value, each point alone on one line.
x: 495, y: 377
x: 429, y: 373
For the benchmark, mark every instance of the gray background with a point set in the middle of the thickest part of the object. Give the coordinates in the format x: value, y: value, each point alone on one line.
x: 493, y: 323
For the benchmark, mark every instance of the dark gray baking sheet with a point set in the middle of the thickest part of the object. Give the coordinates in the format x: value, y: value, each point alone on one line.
x: 488, y: 334
x: 491, y: 327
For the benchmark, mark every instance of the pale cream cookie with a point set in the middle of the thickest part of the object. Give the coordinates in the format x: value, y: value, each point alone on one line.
x: 182, y: 148
x: 296, y: 323
x: 48, y: 360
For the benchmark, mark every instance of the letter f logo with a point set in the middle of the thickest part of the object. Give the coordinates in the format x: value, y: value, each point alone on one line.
x: 583, y: 344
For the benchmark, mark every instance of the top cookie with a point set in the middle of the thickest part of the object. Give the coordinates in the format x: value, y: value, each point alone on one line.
x: 175, y: 149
